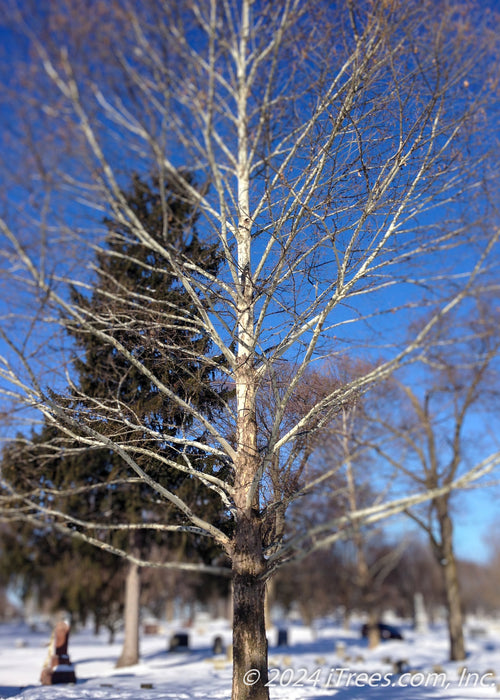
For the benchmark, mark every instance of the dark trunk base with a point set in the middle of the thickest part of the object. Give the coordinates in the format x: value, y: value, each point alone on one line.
x: 250, y: 674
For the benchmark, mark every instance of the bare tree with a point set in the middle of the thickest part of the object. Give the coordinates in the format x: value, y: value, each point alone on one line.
x: 433, y: 433
x: 348, y: 446
x: 340, y: 158
x: 371, y: 572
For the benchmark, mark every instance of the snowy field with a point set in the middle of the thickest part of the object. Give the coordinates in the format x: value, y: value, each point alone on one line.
x: 316, y: 664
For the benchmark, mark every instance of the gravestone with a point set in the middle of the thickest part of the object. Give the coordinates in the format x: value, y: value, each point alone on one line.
x: 420, y: 616
x: 282, y: 637
x: 477, y: 632
x: 179, y: 642
x: 340, y: 649
x: 400, y: 666
x: 218, y: 646
x: 58, y: 667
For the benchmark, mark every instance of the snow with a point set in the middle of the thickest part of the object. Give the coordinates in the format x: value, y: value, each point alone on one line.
x: 317, y: 664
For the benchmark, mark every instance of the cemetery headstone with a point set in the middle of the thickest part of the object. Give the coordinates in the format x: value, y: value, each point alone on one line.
x: 421, y: 620
x: 400, y: 666
x: 179, y: 642
x: 218, y: 646
x: 282, y: 637
x: 58, y: 667
x: 340, y: 649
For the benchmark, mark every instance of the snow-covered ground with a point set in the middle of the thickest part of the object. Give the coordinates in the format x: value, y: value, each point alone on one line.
x: 315, y: 665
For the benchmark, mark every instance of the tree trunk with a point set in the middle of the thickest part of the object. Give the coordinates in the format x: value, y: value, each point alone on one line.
x: 248, y: 563
x: 169, y: 609
x: 373, y: 630
x: 229, y: 602
x: 270, y: 590
x: 249, y: 639
x: 449, y: 568
x: 346, y: 621
x: 249, y: 627
x: 454, y: 604
x: 130, y: 651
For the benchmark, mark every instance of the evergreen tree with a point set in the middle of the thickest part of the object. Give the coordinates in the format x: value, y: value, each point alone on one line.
x: 152, y: 320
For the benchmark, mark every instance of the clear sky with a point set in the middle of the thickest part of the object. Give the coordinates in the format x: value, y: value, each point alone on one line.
x: 475, y: 512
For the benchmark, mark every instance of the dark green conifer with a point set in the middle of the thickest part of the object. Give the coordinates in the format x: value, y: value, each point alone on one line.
x: 138, y: 301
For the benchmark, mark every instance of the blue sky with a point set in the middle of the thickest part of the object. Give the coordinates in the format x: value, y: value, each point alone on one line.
x: 475, y: 511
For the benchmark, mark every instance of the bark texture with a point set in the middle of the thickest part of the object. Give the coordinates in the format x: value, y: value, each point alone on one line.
x: 249, y: 630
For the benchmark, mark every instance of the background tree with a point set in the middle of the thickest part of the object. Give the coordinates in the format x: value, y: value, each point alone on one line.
x: 342, y: 146
x: 437, y: 435
x: 105, y: 377
x: 349, y: 448
x: 136, y: 321
x: 347, y: 451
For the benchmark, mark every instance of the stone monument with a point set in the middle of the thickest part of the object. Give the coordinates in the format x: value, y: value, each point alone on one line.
x: 421, y: 622
x: 58, y: 667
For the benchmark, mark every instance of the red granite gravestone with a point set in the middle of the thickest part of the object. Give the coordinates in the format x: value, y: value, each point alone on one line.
x: 58, y: 667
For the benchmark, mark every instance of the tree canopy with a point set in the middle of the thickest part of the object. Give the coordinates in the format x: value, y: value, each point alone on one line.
x: 347, y: 174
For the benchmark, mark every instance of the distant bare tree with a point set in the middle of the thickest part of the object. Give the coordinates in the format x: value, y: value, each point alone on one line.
x: 339, y: 152
x: 434, y: 434
x: 347, y: 448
